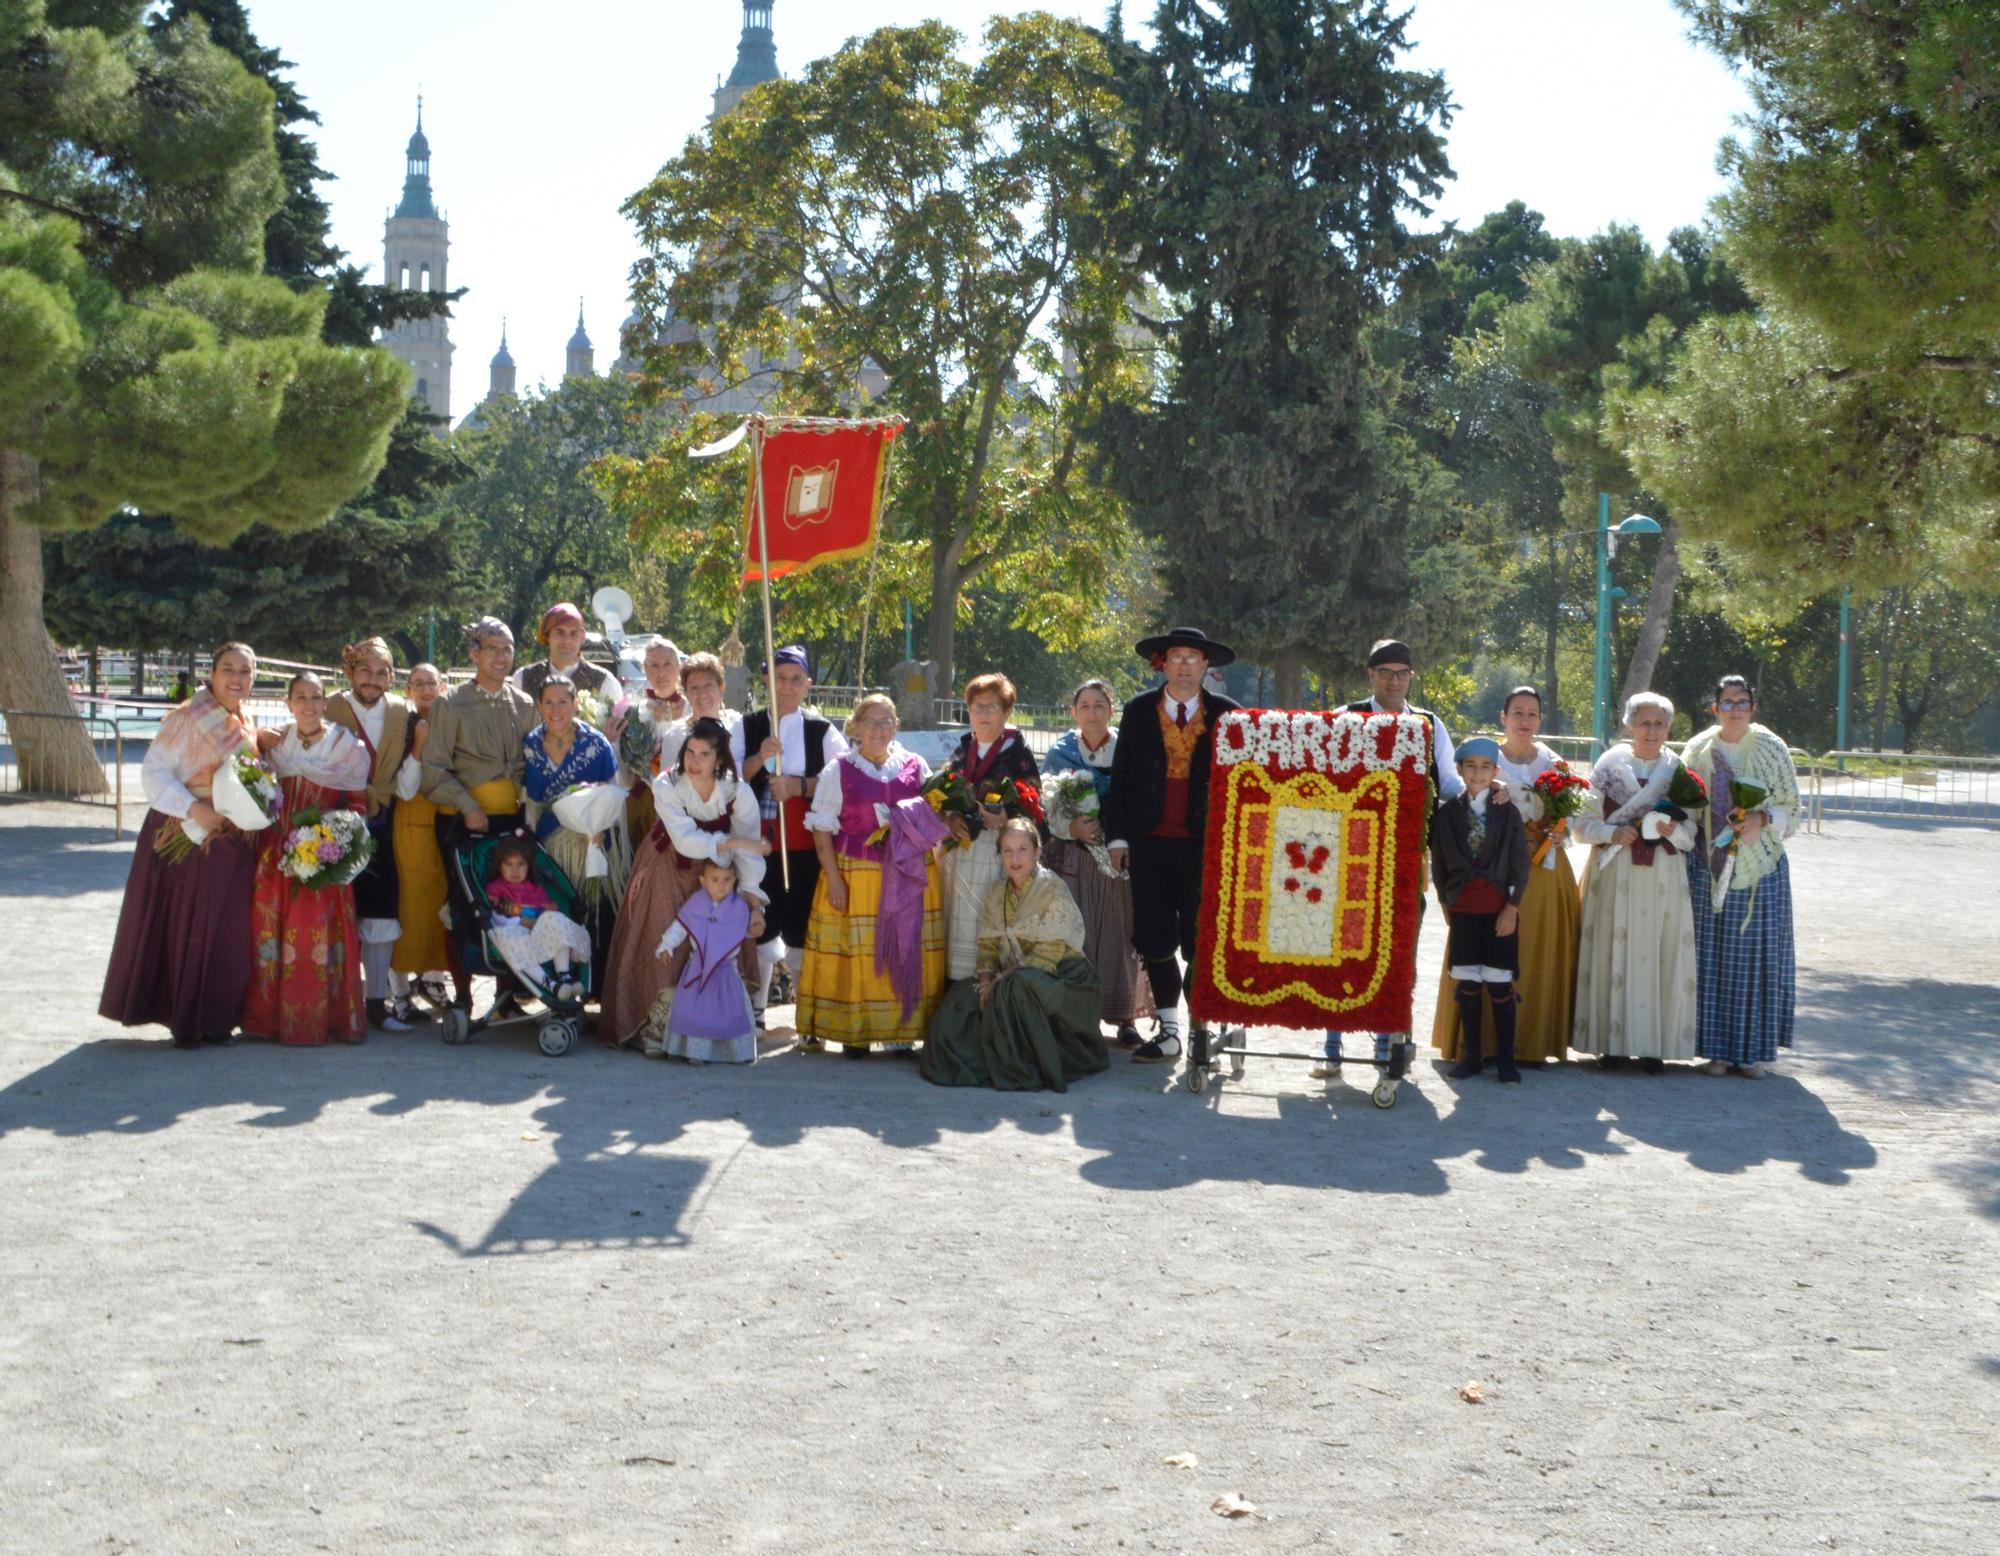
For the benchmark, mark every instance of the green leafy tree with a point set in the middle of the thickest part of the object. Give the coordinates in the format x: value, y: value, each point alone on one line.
x: 1602, y: 321
x: 942, y: 220
x: 144, y: 361
x: 530, y: 513
x: 1277, y: 150
x: 1848, y: 432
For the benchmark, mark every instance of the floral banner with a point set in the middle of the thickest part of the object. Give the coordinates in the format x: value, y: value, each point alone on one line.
x: 1316, y: 829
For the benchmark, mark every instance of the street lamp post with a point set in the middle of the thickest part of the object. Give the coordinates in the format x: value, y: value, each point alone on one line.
x: 1607, y: 548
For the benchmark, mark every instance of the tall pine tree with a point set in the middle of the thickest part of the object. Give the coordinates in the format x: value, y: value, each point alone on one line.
x: 1278, y: 149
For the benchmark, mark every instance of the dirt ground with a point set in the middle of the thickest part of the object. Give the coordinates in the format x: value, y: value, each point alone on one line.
x: 410, y: 1298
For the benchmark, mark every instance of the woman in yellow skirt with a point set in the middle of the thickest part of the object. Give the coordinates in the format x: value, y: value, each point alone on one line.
x: 1550, y: 916
x: 868, y: 889
x: 420, y: 948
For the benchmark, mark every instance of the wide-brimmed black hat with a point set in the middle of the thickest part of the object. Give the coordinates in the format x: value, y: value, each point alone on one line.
x: 1219, y: 654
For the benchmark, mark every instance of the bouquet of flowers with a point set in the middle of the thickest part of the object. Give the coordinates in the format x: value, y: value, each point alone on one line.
x: 590, y: 709
x: 1072, y: 796
x: 327, y: 848
x: 639, y: 740
x: 591, y: 809
x: 1017, y: 798
x: 1686, y: 793
x: 1560, y: 791
x: 946, y: 793
x: 245, y: 794
x: 1743, y: 798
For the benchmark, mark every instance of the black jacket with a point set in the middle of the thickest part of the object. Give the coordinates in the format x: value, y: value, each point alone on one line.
x: 1502, y: 857
x: 1139, y: 768
x: 1014, y: 761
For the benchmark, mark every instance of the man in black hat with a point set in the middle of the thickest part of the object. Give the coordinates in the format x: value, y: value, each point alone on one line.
x: 1157, y: 812
x: 1390, y: 674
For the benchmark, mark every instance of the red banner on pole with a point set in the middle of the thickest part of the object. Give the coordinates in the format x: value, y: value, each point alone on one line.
x: 823, y: 486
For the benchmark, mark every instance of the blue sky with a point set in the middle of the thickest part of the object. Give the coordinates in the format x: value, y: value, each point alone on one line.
x: 1592, y: 111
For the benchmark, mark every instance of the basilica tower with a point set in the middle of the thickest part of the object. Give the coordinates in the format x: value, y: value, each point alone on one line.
x: 415, y: 242
x: 756, y: 58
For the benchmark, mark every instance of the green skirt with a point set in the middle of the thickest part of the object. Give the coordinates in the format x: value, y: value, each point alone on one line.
x: 1038, y: 1032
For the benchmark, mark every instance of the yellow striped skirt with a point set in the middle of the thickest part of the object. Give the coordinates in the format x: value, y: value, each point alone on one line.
x: 842, y: 998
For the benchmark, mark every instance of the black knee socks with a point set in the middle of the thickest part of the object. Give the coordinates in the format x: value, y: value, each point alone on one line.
x: 1470, y: 1019
x: 1505, y: 1004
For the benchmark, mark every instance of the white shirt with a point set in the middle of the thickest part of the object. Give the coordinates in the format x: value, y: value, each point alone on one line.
x: 824, y: 814
x: 792, y: 745
x: 373, y: 722
x: 1450, y: 785
x: 675, y: 735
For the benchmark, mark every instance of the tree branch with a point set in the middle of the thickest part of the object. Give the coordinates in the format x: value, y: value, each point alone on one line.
x: 103, y: 223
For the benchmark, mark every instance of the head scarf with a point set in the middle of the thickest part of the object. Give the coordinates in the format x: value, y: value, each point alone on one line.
x: 562, y: 610
x: 368, y: 648
x: 477, y: 632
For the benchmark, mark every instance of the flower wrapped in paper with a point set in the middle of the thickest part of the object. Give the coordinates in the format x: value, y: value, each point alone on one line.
x: 244, y: 793
x: 327, y: 849
x: 1072, y: 796
x: 589, y: 809
x: 1557, y: 795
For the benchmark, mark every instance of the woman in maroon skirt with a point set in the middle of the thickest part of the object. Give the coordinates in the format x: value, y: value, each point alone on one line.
x: 182, y: 956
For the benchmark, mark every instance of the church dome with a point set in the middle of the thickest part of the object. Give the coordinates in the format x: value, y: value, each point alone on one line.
x: 579, y: 341
x: 503, y: 357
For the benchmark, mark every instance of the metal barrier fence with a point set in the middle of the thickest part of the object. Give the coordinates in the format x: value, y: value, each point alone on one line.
x: 1847, y: 785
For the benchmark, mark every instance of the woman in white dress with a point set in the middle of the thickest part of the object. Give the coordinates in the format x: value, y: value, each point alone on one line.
x: 1635, y: 978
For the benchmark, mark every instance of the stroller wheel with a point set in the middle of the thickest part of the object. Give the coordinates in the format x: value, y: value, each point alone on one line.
x: 1384, y: 1094
x: 457, y: 1025
x: 556, y: 1037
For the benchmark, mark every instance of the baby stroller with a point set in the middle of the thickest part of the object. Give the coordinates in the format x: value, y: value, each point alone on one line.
x: 467, y: 864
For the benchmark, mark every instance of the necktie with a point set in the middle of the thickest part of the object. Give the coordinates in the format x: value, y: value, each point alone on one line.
x: 1180, y: 715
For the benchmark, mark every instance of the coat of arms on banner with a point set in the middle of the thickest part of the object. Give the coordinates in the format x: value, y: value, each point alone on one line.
x: 809, y: 494
x: 1314, y: 874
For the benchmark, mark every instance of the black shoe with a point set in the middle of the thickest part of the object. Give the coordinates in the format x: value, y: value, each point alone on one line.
x: 1509, y: 1072
x: 1653, y: 1066
x: 218, y: 1039
x: 186, y: 1042
x: 378, y: 1012
x: 1166, y: 1046
x: 1611, y: 1061
x: 1469, y: 1065
x: 1128, y: 1037
x: 854, y: 1050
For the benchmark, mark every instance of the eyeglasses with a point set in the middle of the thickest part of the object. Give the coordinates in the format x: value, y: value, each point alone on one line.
x: 1391, y: 675
x: 884, y: 722
x: 1736, y: 707
x: 1187, y: 657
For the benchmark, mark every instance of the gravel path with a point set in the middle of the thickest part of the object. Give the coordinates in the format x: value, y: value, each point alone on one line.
x: 406, y: 1298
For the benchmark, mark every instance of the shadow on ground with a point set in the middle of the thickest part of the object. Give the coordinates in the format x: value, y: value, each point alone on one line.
x: 37, y: 861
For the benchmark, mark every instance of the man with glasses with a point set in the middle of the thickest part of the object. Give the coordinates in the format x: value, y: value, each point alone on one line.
x: 1390, y: 674
x: 1157, y: 812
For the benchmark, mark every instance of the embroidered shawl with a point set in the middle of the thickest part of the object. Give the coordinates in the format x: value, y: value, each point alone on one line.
x: 1763, y: 759
x: 1044, y: 914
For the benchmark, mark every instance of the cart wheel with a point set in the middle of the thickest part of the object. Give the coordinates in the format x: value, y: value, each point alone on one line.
x: 1197, y: 1078
x: 556, y: 1037
x: 1384, y: 1094
x: 457, y: 1025
x: 1237, y: 1039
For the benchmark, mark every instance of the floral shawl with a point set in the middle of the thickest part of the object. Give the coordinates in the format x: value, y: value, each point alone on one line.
x: 1045, y: 915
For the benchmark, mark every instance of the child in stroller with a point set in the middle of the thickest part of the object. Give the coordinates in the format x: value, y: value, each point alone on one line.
x: 531, y: 934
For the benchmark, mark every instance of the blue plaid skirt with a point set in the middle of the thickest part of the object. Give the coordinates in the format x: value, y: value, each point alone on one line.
x: 1747, y: 975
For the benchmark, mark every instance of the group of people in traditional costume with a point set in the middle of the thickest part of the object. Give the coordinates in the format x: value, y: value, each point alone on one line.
x: 954, y: 914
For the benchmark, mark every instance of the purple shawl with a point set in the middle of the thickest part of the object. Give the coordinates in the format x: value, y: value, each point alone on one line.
x: 914, y: 830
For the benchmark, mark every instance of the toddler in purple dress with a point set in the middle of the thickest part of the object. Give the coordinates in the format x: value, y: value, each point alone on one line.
x: 711, y: 1018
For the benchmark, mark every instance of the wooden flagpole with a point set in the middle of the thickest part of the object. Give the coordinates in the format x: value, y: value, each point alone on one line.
x: 770, y: 642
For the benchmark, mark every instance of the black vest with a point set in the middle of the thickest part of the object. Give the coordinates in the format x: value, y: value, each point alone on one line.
x: 757, y: 730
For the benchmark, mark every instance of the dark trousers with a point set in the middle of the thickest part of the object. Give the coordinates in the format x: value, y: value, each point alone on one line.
x: 1166, y: 910
x: 791, y: 907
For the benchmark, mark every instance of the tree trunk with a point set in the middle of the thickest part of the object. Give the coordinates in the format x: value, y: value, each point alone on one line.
x: 1288, y: 671
x: 52, y: 751
x: 943, y: 627
x: 1891, y: 612
x: 1659, y: 612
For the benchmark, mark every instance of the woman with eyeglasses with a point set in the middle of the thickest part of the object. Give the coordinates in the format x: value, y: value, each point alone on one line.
x: 878, y: 885
x: 1742, y: 886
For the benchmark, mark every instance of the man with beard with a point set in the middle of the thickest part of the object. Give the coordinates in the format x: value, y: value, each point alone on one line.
x: 381, y: 720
